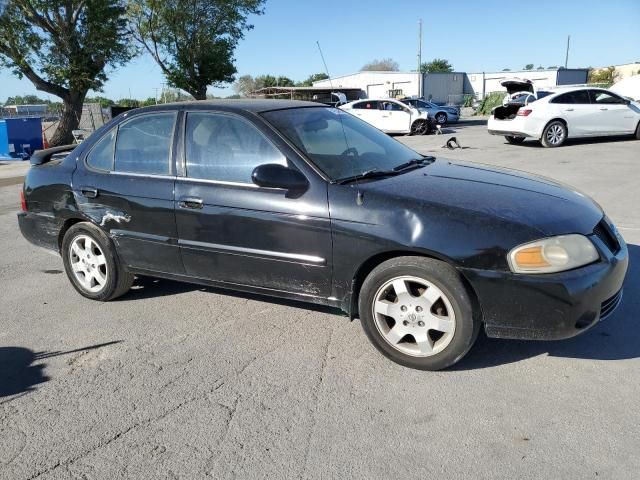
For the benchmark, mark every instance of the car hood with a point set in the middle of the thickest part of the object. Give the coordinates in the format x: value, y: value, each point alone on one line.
x: 510, y: 195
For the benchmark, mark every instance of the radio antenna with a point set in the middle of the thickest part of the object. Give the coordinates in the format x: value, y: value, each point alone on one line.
x: 325, y: 65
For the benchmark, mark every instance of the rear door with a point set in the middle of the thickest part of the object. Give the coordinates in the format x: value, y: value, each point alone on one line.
x: 575, y: 107
x: 367, y: 110
x: 234, y: 232
x: 612, y: 115
x: 125, y: 185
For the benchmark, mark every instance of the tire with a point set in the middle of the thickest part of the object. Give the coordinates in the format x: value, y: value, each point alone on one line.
x: 638, y: 131
x: 554, y: 134
x: 92, y: 265
x: 441, y: 118
x: 402, y: 324
x: 514, y: 140
x: 419, y: 127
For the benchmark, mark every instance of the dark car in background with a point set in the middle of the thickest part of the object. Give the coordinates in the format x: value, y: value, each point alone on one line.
x: 301, y: 201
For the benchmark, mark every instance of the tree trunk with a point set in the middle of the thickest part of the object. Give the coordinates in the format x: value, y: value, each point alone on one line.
x: 69, y: 120
x: 200, y: 94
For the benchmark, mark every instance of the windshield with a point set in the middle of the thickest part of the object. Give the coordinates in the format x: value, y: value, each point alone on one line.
x: 340, y: 144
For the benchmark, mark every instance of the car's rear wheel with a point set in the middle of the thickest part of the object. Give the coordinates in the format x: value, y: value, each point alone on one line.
x: 638, y: 131
x: 417, y: 312
x: 420, y: 127
x: 514, y: 140
x: 554, y: 134
x: 92, y: 265
x: 441, y: 118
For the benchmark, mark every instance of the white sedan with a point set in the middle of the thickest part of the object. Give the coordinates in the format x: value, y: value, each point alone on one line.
x: 567, y: 113
x: 390, y: 116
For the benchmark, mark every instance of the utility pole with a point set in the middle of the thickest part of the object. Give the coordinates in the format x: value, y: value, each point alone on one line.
x: 419, y: 44
x: 420, y: 76
x: 156, y: 95
x: 566, y: 58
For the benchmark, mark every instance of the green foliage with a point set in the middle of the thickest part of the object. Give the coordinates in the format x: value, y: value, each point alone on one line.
x: 528, y: 66
x: 315, y: 77
x: 490, y: 101
x: 193, y: 40
x: 506, y: 69
x: 437, y: 65
x: 604, y: 76
x: 128, y: 102
x: 383, y: 65
x: 468, y: 100
x: 64, y: 48
x: 103, y: 101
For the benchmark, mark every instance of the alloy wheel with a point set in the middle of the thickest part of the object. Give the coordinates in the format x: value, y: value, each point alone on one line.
x: 555, y: 134
x: 88, y: 263
x: 414, y: 316
x: 441, y: 118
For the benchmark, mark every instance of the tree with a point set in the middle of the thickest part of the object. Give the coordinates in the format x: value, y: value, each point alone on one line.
x: 540, y: 67
x: 553, y: 67
x: 192, y: 40
x: 64, y: 48
x: 103, y: 101
x: 244, y: 85
x: 384, y: 65
x: 128, y: 102
x: 602, y: 75
x: 315, y: 77
x: 506, y: 69
x: 436, y: 65
x: 528, y: 66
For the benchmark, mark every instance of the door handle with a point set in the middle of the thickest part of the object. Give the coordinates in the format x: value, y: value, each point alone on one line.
x: 604, y: 108
x: 89, y: 192
x: 190, y: 202
x: 568, y: 109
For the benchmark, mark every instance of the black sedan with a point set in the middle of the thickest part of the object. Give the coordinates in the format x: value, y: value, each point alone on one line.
x: 307, y: 202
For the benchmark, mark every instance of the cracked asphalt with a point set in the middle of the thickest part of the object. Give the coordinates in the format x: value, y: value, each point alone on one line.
x: 180, y: 381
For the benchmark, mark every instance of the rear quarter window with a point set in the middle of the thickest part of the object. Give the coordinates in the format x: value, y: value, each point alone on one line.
x: 101, y: 155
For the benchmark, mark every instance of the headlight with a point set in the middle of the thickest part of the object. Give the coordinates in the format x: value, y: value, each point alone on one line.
x: 555, y: 254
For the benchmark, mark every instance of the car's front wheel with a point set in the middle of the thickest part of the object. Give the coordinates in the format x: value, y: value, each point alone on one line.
x: 638, y: 131
x: 420, y: 127
x: 554, y: 134
x: 92, y: 264
x: 514, y: 140
x: 417, y: 312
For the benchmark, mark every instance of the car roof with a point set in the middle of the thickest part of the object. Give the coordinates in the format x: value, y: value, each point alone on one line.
x: 245, y: 104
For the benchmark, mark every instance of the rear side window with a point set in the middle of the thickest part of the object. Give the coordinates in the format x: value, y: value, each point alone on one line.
x: 601, y: 97
x: 577, y: 97
x: 373, y: 105
x: 144, y: 144
x: 101, y: 155
x: 226, y: 148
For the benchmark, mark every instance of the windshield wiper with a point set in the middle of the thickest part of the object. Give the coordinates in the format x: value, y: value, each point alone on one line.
x: 375, y: 173
x: 416, y: 162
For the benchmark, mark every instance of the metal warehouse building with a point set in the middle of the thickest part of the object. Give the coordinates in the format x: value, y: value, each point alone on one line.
x: 446, y: 87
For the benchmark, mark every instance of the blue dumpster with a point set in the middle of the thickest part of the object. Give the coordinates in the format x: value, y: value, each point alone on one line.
x: 20, y: 137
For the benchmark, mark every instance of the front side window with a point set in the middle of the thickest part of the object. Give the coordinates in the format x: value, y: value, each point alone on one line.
x: 101, y: 155
x: 368, y: 105
x: 391, y: 106
x: 340, y: 144
x: 605, y: 98
x: 144, y: 144
x: 226, y: 148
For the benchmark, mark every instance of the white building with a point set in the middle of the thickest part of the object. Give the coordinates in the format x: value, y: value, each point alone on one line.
x: 482, y: 83
x: 377, y: 84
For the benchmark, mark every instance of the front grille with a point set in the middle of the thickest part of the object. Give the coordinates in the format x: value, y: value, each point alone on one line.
x: 608, y: 306
x: 604, y: 232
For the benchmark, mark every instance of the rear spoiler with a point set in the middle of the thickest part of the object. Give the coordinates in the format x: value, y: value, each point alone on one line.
x: 43, y: 156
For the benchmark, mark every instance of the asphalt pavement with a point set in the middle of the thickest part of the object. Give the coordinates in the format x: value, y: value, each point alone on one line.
x: 181, y: 381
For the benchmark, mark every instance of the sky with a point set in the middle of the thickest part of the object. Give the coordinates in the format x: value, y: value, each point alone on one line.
x: 475, y: 36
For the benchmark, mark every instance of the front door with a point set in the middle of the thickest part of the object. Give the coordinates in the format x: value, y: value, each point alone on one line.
x: 125, y: 186
x: 395, y: 117
x: 575, y: 107
x: 612, y: 113
x: 232, y: 231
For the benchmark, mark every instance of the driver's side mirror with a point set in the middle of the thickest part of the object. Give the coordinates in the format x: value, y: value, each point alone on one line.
x: 273, y: 175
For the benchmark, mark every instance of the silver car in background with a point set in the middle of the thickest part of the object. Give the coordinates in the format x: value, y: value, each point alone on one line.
x: 442, y: 114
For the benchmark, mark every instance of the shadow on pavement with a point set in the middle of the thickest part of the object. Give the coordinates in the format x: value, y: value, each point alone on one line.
x: 19, y: 375
x: 616, y: 338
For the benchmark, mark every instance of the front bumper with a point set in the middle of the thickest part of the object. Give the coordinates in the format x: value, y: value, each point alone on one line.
x: 550, y: 306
